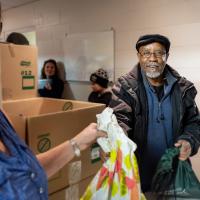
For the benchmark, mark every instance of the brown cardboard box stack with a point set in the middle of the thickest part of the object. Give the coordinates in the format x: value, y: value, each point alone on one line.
x: 18, y: 71
x: 44, y: 122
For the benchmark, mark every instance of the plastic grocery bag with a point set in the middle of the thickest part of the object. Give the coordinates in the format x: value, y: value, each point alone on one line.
x: 118, y: 178
x: 175, y: 179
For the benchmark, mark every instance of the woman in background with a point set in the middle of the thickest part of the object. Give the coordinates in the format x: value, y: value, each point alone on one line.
x: 54, y: 86
x: 101, y: 93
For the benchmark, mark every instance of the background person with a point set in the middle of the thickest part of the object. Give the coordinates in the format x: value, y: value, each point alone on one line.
x: 156, y: 107
x: 54, y: 86
x: 17, y: 38
x: 99, y: 84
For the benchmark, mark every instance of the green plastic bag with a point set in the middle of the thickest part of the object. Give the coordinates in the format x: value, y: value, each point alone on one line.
x: 174, y: 179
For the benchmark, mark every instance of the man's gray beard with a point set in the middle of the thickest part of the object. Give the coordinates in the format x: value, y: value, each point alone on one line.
x: 153, y: 75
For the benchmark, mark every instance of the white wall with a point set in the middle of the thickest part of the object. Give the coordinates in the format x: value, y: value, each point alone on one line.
x: 177, y: 19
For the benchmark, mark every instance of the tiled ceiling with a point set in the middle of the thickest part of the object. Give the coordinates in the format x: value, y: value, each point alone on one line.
x: 8, y: 4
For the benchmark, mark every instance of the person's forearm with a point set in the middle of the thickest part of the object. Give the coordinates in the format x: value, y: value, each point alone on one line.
x: 54, y: 159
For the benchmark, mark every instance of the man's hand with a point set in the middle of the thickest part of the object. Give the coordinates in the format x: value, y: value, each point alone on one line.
x: 185, y: 149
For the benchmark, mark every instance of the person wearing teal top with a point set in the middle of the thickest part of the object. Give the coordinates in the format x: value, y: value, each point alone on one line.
x: 54, y: 86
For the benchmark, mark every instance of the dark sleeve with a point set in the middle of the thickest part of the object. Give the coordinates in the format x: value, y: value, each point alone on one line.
x: 43, y: 92
x: 91, y: 97
x: 121, y: 105
x: 55, y: 92
x: 104, y: 98
x: 191, y: 121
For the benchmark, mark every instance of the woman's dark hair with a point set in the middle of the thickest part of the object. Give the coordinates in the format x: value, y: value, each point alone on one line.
x: 43, y: 75
x: 17, y: 38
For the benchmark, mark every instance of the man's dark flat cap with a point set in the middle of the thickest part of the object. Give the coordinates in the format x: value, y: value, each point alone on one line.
x: 148, y: 39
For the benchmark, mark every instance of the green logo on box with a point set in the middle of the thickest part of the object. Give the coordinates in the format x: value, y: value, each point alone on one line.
x: 25, y: 63
x: 67, y: 106
x: 44, y: 144
x: 28, y: 82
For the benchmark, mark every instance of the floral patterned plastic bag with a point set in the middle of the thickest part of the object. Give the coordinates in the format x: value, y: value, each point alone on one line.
x: 118, y: 178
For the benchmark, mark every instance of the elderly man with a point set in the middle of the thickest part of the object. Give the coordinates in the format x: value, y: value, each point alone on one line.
x: 156, y: 107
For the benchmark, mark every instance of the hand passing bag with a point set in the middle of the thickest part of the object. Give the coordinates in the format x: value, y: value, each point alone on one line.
x: 175, y: 179
x: 118, y: 178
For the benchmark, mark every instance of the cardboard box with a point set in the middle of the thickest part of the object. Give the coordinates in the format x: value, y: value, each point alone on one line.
x: 18, y: 64
x: 44, y: 123
x: 72, y: 192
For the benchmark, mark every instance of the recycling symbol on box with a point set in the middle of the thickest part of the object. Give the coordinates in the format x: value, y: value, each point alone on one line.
x: 44, y: 144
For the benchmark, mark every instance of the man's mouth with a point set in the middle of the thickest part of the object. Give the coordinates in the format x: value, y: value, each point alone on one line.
x: 152, y: 66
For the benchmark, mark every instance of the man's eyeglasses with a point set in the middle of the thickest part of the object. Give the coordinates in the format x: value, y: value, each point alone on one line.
x: 157, y: 54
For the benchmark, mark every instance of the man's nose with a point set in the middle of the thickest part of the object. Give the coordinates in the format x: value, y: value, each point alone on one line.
x: 152, y: 56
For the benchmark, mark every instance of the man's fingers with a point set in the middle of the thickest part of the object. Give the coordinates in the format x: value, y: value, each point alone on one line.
x: 177, y: 144
x: 185, y: 149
